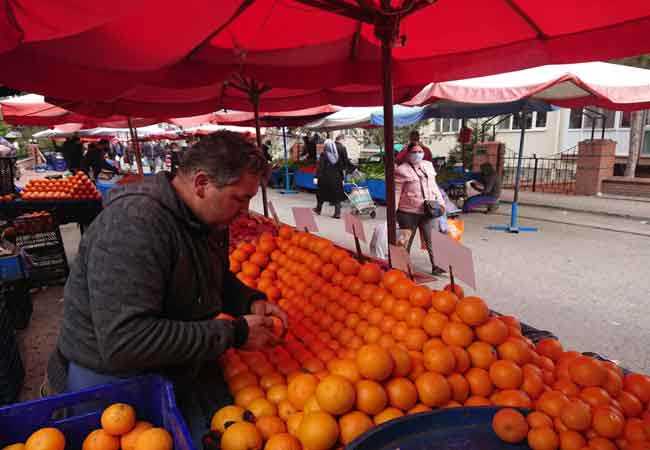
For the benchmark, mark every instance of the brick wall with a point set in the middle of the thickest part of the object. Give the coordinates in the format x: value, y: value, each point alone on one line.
x: 629, y: 187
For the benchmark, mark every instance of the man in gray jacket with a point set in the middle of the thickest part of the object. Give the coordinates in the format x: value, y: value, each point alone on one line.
x: 151, y: 275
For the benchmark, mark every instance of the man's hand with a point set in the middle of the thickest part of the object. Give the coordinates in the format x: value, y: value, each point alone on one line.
x: 264, y: 308
x: 260, y: 333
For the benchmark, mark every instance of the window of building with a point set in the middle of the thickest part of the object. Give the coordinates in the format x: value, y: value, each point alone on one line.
x: 516, y: 125
x: 575, y: 121
x: 593, y: 115
x: 504, y: 123
x: 436, y: 125
x: 625, y: 119
x: 540, y: 119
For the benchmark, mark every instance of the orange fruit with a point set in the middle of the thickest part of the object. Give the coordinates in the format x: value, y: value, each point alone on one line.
x: 420, y: 296
x: 513, y: 398
x: 374, y: 362
x: 533, y: 385
x: 457, y: 334
x: 599, y: 443
x: 595, y: 396
x: 402, y: 393
x: 335, y: 395
x: 459, y: 387
x: 277, y: 393
x: 537, y: 419
x: 118, y: 419
x: 473, y: 311
x: 46, y: 439
x: 576, y: 415
x: 614, y: 383
x: 434, y: 322
x: 549, y: 347
x: 293, y: 423
x: 100, y: 440
x: 515, y: 350
x: 160, y: 439
x: 479, y: 382
x: 634, y: 430
x: 311, y: 405
x: 444, y: 301
x: 608, y: 422
x: 371, y: 397
x: 345, y: 368
x: 391, y: 277
x: 415, y: 339
x: 370, y: 273
x: 300, y: 388
x: 283, y: 441
x: 270, y: 380
x: 241, y: 381
x: 401, y: 361
x: 245, y: 396
x: 286, y: 409
x: 433, y: 389
x: 494, y: 331
x: 631, y: 405
x: 414, y: 317
x: 506, y: 374
x: 386, y: 415
x: 402, y: 289
x: 352, y: 425
x: 639, y: 385
x: 510, y: 425
x: 419, y: 408
x: 476, y: 400
x: 572, y: 440
x: 543, y: 438
x: 238, y: 436
x: 440, y: 359
x: 261, y: 407
x: 270, y: 426
x: 128, y: 440
x: 230, y: 413
x: 483, y: 355
x: 463, y: 361
x: 586, y: 371
x: 318, y: 431
x: 552, y: 403
x: 567, y: 387
x: 456, y: 289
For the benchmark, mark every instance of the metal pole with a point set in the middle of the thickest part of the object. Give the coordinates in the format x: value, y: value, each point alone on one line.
x: 602, y: 133
x: 256, y: 108
x: 515, y: 207
x: 535, y: 173
x: 286, y: 159
x: 387, y: 87
x: 136, y: 146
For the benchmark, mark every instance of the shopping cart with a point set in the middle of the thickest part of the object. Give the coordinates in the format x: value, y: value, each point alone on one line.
x: 361, y: 200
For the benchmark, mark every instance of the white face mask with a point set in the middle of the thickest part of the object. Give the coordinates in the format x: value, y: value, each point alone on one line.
x: 416, y: 157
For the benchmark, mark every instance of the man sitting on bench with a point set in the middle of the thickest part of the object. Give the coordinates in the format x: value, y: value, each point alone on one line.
x: 489, y: 188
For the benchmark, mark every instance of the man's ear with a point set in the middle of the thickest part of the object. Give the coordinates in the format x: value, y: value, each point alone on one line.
x: 201, y: 182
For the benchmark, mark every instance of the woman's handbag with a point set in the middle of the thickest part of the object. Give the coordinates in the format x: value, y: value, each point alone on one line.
x: 432, y: 208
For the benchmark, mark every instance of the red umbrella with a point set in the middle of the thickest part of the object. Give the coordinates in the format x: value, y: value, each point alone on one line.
x: 311, y: 46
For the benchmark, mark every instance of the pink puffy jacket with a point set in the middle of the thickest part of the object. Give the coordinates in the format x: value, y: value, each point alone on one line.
x: 408, y: 193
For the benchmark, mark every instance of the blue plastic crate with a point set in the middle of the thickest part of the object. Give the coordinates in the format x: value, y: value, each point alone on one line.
x: 10, y: 268
x: 377, y: 189
x: 151, y: 396
x: 305, y: 180
x: 453, y: 428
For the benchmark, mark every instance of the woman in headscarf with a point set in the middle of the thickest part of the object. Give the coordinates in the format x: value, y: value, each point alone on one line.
x: 333, y: 164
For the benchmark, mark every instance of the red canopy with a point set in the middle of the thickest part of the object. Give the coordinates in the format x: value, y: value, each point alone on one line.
x: 319, y: 56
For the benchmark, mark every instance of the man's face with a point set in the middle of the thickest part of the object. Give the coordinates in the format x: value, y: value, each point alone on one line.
x: 218, y: 207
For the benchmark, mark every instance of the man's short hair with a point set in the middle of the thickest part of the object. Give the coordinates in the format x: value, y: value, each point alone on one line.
x: 224, y: 157
x: 340, y: 137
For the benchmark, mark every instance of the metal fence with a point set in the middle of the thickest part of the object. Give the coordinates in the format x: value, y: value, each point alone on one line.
x: 554, y: 174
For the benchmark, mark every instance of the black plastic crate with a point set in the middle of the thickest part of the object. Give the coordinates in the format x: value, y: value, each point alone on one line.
x: 12, y: 372
x: 7, y: 176
x: 15, y: 294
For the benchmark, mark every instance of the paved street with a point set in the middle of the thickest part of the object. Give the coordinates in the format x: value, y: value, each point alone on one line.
x: 588, y: 285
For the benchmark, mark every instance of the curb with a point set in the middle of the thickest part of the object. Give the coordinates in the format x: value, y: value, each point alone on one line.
x: 583, y: 211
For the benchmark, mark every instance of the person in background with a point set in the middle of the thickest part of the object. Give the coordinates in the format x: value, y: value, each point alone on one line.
x: 415, y: 182
x: 95, y: 160
x: 73, y: 153
x: 35, y: 153
x: 331, y: 168
x: 489, y: 190
x: 266, y: 149
x: 414, y: 138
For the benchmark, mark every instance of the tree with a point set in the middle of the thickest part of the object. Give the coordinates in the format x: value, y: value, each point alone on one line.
x: 400, y: 135
x: 637, y: 120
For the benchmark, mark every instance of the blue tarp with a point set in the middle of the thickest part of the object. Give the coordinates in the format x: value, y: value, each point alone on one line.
x: 405, y: 116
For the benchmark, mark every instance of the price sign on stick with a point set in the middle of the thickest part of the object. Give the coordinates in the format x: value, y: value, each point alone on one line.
x: 399, y: 258
x: 274, y: 213
x: 353, y: 225
x: 304, y: 218
x: 450, y: 253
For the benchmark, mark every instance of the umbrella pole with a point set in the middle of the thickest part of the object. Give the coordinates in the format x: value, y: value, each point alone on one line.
x: 287, y: 186
x: 386, y: 35
x: 256, y: 108
x: 514, y: 213
x: 136, y: 146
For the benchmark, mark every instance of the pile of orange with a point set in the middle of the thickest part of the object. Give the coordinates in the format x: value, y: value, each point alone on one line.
x: 75, y: 187
x: 366, y: 346
x: 119, y: 430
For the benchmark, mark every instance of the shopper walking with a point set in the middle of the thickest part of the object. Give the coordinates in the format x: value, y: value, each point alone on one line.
x: 418, y: 198
x: 331, y: 168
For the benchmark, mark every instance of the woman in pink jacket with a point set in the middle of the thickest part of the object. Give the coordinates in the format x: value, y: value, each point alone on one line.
x: 415, y: 182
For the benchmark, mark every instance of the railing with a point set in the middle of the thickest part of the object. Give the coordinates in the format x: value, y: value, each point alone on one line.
x: 553, y: 174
